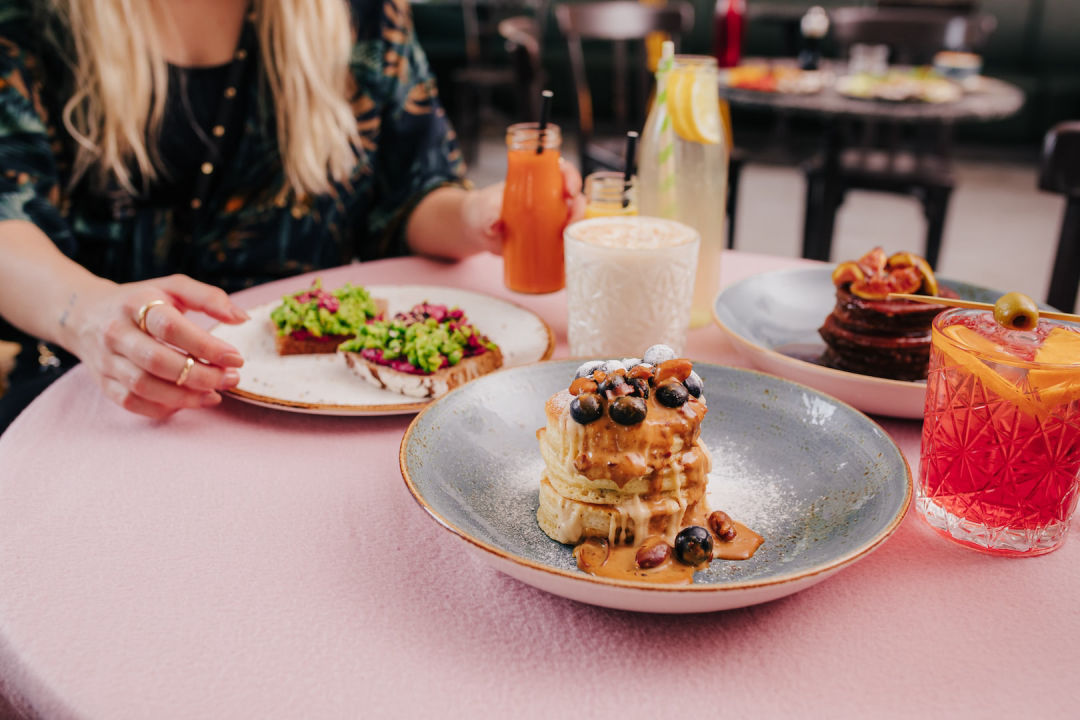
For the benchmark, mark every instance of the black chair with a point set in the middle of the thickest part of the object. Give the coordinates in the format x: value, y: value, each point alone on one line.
x: 878, y: 159
x: 1059, y: 172
x: 485, y: 73
x: 620, y: 23
x: 523, y: 39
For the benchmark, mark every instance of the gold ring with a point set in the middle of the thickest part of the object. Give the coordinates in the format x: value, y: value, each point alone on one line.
x: 141, y: 318
x: 188, y: 364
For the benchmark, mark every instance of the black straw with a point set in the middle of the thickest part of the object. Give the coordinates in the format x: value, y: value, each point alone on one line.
x: 545, y: 111
x: 628, y: 170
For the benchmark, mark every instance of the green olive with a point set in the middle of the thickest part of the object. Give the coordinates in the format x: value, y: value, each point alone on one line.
x: 1016, y: 311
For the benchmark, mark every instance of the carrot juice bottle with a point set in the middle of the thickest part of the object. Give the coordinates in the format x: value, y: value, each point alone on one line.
x: 533, y: 210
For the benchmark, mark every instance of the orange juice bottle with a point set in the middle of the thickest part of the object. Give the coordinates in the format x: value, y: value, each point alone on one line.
x: 533, y: 210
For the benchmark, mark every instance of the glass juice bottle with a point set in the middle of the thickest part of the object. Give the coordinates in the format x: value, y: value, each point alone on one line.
x: 534, y: 210
x: 729, y: 22
x: 609, y: 194
x: 683, y: 164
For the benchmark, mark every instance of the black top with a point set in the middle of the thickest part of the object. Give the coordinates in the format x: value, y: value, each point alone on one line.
x: 187, y: 132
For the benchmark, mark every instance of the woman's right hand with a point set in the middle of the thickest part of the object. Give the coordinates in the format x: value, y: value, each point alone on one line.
x: 144, y: 372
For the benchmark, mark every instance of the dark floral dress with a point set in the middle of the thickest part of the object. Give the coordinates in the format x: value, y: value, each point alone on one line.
x: 250, y: 228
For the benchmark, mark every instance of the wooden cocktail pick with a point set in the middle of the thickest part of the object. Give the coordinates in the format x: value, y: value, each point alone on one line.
x: 972, y: 305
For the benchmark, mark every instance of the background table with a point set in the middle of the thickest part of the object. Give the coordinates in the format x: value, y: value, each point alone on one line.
x: 991, y: 99
x: 243, y: 562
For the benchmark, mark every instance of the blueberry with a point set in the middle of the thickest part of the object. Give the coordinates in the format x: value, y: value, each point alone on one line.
x: 641, y: 387
x: 586, y: 407
x: 694, y: 545
x: 672, y: 393
x: 630, y: 362
x: 627, y: 410
x: 587, y: 369
x: 611, y: 366
x: 694, y: 384
x: 658, y: 354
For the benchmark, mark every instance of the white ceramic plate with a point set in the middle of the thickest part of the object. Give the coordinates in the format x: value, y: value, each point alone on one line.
x: 324, y: 385
x: 821, y: 482
x: 773, y: 320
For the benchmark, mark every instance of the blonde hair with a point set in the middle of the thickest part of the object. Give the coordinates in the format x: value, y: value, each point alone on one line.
x: 121, y: 81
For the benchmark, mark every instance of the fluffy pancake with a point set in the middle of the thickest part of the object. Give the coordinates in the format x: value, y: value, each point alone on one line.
x: 621, y: 482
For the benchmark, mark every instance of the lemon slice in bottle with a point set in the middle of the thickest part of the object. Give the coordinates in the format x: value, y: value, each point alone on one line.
x: 678, y: 85
x: 694, y: 105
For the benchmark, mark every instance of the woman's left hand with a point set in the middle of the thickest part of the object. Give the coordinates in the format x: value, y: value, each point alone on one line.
x: 483, y: 209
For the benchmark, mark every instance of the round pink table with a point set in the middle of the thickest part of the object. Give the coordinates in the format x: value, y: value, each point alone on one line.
x: 245, y: 562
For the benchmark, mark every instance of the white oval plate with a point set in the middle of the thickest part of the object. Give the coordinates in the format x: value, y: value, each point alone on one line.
x: 773, y: 320
x: 324, y: 385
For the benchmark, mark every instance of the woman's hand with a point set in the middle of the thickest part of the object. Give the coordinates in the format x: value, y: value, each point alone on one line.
x: 482, y: 209
x: 166, y: 364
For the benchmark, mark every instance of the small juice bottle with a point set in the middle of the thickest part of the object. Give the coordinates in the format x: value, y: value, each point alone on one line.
x: 534, y: 210
x: 609, y: 194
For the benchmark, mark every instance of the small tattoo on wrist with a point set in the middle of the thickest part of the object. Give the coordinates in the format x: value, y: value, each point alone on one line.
x: 67, y: 310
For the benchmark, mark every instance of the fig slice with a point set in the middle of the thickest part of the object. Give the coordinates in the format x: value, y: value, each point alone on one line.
x: 847, y: 272
x: 878, y: 287
x: 901, y: 260
x: 873, y: 262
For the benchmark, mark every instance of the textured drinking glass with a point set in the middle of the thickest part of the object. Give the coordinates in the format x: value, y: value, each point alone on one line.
x: 629, y: 285
x: 1000, y: 454
x: 609, y: 193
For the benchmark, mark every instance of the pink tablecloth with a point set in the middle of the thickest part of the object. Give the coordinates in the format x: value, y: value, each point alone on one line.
x: 244, y: 562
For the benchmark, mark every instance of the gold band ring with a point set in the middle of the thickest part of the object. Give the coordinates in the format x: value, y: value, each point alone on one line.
x: 188, y: 364
x: 141, y: 317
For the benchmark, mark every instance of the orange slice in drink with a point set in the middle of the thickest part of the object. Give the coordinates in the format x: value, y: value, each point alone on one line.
x: 1058, y: 385
x: 1049, y: 388
x: 965, y: 356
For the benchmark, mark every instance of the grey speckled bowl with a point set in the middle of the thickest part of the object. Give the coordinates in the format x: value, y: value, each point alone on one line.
x: 819, y: 480
x: 773, y: 320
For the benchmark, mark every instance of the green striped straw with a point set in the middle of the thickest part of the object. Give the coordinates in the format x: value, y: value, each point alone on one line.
x: 666, y: 157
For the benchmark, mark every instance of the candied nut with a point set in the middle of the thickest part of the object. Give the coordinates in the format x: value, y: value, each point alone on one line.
x: 653, y: 553
x: 599, y: 376
x: 582, y: 385
x: 679, y: 368
x: 722, y: 526
x: 592, y: 553
x: 640, y: 371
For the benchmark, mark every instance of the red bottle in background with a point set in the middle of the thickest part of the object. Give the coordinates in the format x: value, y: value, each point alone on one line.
x: 729, y: 21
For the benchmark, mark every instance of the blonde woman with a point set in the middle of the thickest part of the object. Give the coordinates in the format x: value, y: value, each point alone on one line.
x: 158, y: 153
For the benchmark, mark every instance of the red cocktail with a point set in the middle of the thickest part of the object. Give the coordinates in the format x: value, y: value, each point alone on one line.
x: 1001, y: 434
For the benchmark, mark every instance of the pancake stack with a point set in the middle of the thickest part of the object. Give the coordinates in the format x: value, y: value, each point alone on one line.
x: 869, y: 334
x: 883, y: 338
x: 623, y: 476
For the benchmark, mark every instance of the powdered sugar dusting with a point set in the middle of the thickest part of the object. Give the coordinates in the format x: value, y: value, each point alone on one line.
x: 751, y: 494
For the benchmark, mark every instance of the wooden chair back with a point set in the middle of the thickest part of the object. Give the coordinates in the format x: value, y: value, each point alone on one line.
x: 523, y: 41
x: 912, y: 35
x: 621, y: 23
x: 1059, y: 172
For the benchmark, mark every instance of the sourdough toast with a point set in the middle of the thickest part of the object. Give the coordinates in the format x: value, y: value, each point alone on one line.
x: 427, y: 385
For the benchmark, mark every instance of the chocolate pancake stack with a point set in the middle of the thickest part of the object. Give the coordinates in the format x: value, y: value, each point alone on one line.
x: 883, y: 338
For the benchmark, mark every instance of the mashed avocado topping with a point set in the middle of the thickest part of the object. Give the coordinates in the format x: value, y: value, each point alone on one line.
x: 421, y: 341
x: 316, y: 313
